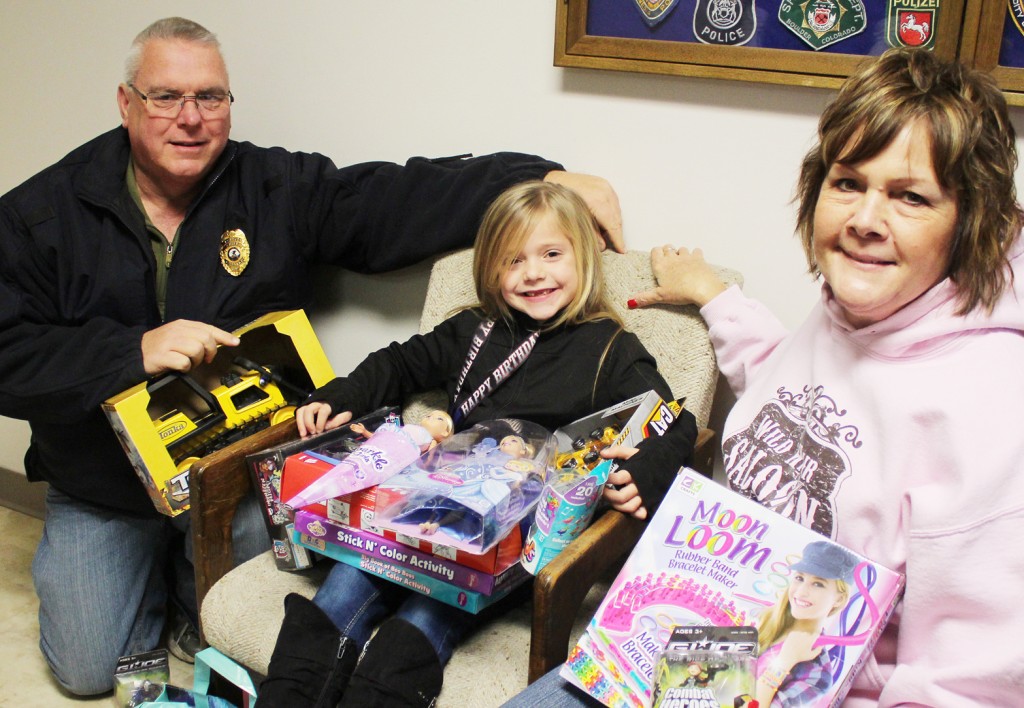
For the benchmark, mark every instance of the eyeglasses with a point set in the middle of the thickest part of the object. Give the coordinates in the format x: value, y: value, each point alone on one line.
x: 168, y: 103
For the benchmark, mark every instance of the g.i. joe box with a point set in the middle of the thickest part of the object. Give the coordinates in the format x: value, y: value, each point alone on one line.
x: 169, y: 422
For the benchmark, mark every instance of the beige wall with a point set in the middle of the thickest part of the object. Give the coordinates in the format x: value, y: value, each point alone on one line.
x: 697, y: 162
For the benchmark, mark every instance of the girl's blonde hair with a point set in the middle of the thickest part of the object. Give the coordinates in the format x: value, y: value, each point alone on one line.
x: 778, y: 619
x: 506, y: 226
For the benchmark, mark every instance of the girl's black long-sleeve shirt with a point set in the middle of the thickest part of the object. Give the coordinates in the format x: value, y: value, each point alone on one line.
x: 572, y: 371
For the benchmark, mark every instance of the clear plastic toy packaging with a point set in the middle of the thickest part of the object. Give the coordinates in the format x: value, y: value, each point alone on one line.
x: 473, y: 488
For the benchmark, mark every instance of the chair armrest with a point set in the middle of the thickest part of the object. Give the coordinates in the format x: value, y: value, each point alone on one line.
x: 704, y: 452
x: 564, y: 582
x: 217, y: 484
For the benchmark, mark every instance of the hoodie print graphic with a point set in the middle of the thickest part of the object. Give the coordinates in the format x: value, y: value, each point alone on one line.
x: 791, y: 458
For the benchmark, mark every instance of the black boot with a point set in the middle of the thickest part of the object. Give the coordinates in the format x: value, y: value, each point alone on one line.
x: 398, y: 668
x: 311, y: 664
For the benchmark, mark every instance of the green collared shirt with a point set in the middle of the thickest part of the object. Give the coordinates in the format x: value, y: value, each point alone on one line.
x: 163, y: 250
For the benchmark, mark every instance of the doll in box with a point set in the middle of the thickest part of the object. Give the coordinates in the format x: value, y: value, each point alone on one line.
x: 475, y: 495
x: 384, y: 453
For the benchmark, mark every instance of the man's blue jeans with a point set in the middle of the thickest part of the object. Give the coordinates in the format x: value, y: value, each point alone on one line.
x: 551, y: 691
x: 104, y: 580
x: 359, y: 601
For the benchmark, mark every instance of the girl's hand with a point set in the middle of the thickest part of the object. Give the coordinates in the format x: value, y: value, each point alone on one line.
x: 316, y: 418
x: 684, y: 278
x: 621, y: 491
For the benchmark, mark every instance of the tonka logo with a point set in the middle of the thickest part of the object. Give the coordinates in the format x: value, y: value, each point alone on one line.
x: 173, y: 429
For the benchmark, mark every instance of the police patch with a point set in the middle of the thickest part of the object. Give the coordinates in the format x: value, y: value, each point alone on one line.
x: 731, y: 22
x: 911, y: 23
x: 234, y: 251
x: 822, y: 23
x: 1017, y: 14
x: 654, y: 11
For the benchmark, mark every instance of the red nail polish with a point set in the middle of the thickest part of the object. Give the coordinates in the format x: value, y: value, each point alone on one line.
x: 631, y: 304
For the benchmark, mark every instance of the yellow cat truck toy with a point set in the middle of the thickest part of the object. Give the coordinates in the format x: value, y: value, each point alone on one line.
x: 168, y: 423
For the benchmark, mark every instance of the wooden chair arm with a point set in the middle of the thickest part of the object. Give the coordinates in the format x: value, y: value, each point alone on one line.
x: 217, y: 484
x: 562, y: 584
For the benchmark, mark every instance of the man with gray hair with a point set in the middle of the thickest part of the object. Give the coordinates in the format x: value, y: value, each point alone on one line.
x: 114, y: 267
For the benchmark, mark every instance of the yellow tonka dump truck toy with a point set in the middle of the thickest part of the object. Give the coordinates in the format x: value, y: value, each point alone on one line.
x: 168, y: 423
x: 248, y: 399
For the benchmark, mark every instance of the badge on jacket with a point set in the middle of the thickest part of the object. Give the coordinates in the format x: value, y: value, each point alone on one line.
x: 234, y: 251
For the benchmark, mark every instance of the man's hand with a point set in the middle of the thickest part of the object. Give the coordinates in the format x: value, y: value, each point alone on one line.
x: 316, y: 417
x: 621, y: 491
x: 684, y: 278
x: 597, y: 192
x: 181, y: 345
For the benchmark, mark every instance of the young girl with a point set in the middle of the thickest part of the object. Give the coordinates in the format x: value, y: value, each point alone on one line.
x: 793, y: 668
x: 541, y: 313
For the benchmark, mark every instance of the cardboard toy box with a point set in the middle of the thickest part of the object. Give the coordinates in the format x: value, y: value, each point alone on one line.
x: 168, y: 423
x: 418, y: 580
x: 636, y: 419
x: 266, y: 467
x: 424, y: 562
x: 570, y: 498
x: 356, y: 510
x: 710, y: 556
x: 139, y: 678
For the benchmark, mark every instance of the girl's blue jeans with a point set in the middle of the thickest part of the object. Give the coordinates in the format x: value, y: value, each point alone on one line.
x: 104, y: 580
x: 357, y: 602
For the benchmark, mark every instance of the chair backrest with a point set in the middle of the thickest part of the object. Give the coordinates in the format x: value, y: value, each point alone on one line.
x: 676, y: 336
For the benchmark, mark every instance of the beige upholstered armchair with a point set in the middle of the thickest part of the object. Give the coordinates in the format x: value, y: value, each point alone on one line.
x: 242, y: 608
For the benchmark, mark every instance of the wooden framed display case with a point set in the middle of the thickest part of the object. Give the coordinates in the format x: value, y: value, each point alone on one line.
x: 800, y: 42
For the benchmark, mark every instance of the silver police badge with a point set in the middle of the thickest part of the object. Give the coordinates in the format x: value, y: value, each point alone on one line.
x: 822, y: 23
x: 731, y: 22
x: 234, y: 251
x: 654, y: 11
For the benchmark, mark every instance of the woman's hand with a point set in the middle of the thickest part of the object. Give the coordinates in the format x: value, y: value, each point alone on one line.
x: 621, y: 491
x: 316, y: 418
x: 684, y: 278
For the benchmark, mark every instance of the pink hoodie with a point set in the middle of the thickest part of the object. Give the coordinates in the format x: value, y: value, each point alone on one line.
x: 904, y: 441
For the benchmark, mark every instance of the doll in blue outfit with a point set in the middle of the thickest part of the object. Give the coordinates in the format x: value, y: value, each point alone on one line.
x: 474, y: 499
x: 542, y: 321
